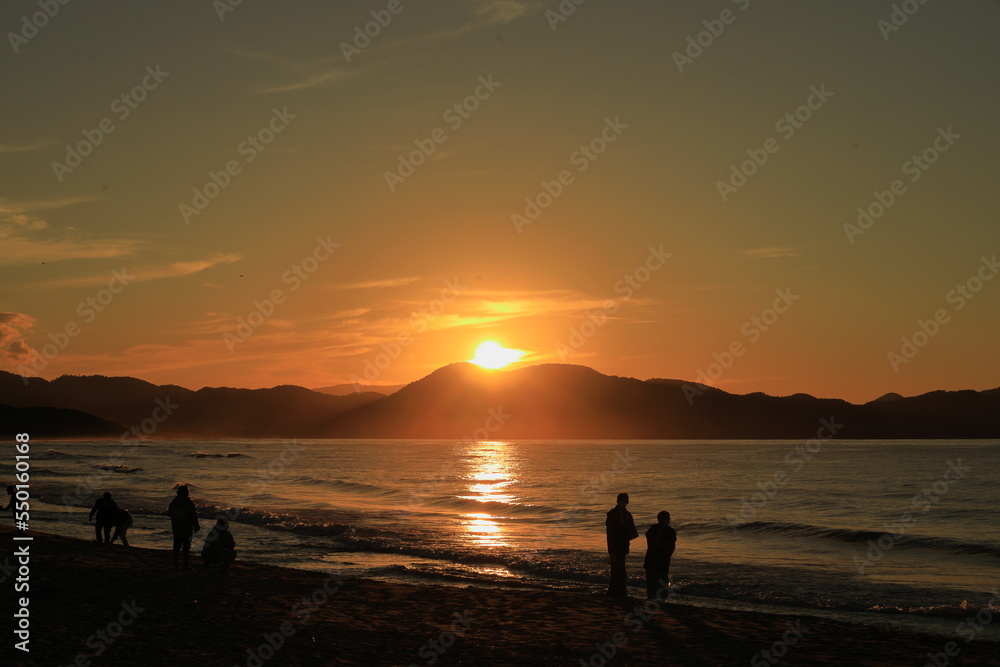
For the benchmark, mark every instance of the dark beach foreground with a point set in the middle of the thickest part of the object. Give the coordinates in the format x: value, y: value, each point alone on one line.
x: 111, y: 605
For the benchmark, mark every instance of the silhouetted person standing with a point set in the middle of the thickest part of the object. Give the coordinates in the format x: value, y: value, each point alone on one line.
x: 183, y: 523
x: 661, y: 540
x: 104, y: 509
x: 122, y: 522
x: 621, y: 530
x: 220, y: 547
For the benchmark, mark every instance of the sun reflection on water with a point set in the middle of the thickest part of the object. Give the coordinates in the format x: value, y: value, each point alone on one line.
x: 490, y: 480
x: 484, y: 529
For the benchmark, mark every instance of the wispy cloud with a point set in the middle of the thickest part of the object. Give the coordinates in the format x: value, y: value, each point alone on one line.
x: 471, y: 308
x: 303, y: 75
x: 147, y: 273
x: 19, y: 250
x: 772, y: 252
x: 26, y: 238
x: 12, y: 329
x: 17, y: 218
x: 357, y: 329
x: 504, y: 11
x: 195, y: 266
x: 373, y: 284
x: 215, y: 323
x: 24, y: 148
x: 269, y: 358
x: 47, y: 204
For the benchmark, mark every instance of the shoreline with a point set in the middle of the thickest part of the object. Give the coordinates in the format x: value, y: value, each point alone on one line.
x: 153, y: 614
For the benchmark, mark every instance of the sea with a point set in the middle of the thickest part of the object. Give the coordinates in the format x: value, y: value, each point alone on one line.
x: 887, y: 533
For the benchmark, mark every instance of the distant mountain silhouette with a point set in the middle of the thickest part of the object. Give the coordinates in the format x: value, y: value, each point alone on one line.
x: 345, y: 389
x: 284, y: 411
x: 39, y: 422
x: 891, y: 396
x: 463, y: 400
x: 565, y: 401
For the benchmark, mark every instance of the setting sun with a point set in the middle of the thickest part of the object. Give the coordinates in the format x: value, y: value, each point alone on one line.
x: 491, y: 354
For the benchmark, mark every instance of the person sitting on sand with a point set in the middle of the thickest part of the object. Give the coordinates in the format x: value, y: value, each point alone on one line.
x: 220, y: 547
x: 661, y: 540
x: 122, y: 522
x: 621, y: 530
x: 183, y: 523
x: 105, y: 509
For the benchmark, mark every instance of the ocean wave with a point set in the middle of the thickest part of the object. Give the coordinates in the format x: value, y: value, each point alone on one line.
x: 470, y: 577
x: 38, y: 473
x: 206, y: 455
x: 60, y: 455
x: 344, y: 485
x: 116, y: 468
x: 576, y: 566
x: 849, y: 536
x: 397, y: 544
x: 963, y: 610
x: 271, y: 520
x: 351, y: 537
x: 494, y: 507
x: 588, y: 572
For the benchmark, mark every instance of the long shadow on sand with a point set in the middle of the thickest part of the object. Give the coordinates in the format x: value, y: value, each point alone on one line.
x: 685, y: 626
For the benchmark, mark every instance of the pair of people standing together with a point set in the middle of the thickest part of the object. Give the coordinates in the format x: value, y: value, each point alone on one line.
x: 660, y: 542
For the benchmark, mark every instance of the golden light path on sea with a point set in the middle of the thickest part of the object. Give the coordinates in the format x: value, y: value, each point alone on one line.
x: 490, y: 476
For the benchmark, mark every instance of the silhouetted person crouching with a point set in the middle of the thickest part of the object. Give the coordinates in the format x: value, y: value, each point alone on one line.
x: 122, y: 521
x: 220, y: 547
x: 104, y: 509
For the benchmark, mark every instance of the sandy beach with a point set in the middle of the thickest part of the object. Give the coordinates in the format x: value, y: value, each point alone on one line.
x: 101, y: 605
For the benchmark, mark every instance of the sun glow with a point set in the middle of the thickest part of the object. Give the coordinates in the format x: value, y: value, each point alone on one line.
x: 491, y: 354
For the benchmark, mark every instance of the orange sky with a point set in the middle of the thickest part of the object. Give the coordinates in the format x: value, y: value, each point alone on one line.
x: 595, y: 191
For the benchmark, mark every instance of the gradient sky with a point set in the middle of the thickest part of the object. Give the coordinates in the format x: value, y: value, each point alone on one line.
x: 323, y: 176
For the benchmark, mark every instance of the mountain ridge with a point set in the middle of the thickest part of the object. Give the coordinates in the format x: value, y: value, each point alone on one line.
x: 462, y: 400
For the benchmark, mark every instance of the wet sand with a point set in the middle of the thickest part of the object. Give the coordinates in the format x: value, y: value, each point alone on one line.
x: 131, y: 607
